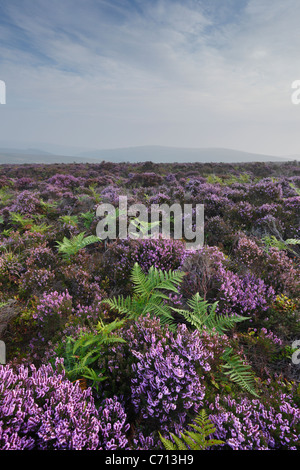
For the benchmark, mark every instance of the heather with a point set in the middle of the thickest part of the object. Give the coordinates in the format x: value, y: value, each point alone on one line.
x: 130, y: 343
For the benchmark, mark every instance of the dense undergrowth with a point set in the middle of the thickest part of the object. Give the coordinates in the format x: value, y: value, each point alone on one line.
x: 142, y: 344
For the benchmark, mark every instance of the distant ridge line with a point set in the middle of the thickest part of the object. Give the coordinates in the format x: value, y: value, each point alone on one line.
x: 140, y: 154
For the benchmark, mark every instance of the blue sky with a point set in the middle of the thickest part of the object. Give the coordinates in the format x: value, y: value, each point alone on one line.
x: 121, y: 73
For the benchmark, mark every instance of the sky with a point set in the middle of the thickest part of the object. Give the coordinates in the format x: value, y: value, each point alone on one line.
x: 122, y: 73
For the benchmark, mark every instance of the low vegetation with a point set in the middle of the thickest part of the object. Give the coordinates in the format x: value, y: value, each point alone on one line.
x: 141, y: 344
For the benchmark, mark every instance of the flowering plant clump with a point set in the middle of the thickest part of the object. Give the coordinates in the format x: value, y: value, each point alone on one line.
x: 204, y: 269
x: 52, y: 311
x: 41, y: 256
x: 246, y: 424
x: 113, y: 425
x: 160, y: 373
x: 64, y: 181
x: 41, y: 410
x: 26, y: 203
x: 136, y: 379
x: 273, y: 265
x: 122, y: 254
x: 10, y: 269
x: 244, y: 295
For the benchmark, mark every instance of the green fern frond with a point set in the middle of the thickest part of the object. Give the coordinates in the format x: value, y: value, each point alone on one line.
x: 71, y: 246
x: 204, y: 315
x: 198, y: 439
x: 81, y: 355
x: 69, y: 219
x: 42, y: 228
x: 292, y: 241
x: 123, y: 305
x: 239, y: 372
x: 20, y: 219
x: 281, y: 244
x: 88, y: 218
x: 155, y: 279
x: 149, y: 295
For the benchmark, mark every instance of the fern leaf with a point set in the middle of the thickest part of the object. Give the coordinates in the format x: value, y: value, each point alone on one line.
x: 180, y: 444
x: 168, y: 444
x: 139, y: 279
x: 204, y: 315
x: 292, y: 241
x: 199, y: 439
x: 121, y: 304
x: 239, y: 372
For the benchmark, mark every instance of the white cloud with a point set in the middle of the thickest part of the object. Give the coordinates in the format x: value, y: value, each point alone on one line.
x: 101, y: 74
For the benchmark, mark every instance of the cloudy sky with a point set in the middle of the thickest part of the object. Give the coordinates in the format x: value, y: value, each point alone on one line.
x: 121, y: 73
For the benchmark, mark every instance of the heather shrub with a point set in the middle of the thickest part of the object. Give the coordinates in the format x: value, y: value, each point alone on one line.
x: 113, y: 425
x: 203, y: 270
x: 52, y: 312
x: 208, y: 272
x: 160, y: 374
x: 160, y: 198
x: 80, y: 283
x: 10, y: 269
x: 121, y: 255
x: 219, y: 233
x: 267, y: 209
x: 270, y: 423
x: 26, y: 202
x: 264, y: 191
x: 41, y: 410
x: 64, y: 181
x: 241, y: 215
x: 244, y: 295
x: 110, y: 194
x: 24, y: 183
x: 34, y: 281
x: 274, y: 266
x: 215, y: 205
x: 290, y: 216
x: 41, y: 257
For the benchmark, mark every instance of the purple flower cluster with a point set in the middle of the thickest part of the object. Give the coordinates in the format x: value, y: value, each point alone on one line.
x: 251, y: 424
x: 53, y: 309
x: 273, y: 266
x: 35, y: 280
x: 164, y: 373
x: 41, y: 410
x: 244, y: 295
x: 113, y: 425
x: 64, y: 181
x: 26, y: 202
x: 24, y: 183
x: 111, y: 194
x: 264, y: 333
x: 161, y: 254
x: 41, y: 256
x: 265, y: 190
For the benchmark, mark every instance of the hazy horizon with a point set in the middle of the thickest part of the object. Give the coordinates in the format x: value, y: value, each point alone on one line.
x: 173, y: 73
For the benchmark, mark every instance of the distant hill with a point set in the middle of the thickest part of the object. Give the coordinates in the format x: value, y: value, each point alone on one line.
x: 22, y: 159
x: 156, y: 154
x: 26, y: 151
x: 160, y: 154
